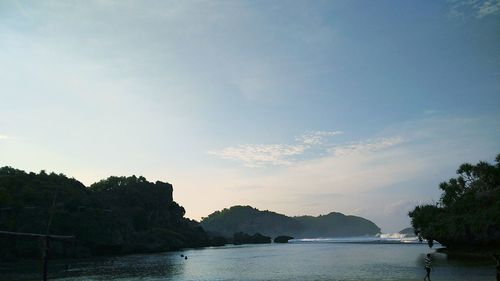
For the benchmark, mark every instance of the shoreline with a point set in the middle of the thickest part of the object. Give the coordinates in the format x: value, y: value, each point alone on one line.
x: 468, y: 253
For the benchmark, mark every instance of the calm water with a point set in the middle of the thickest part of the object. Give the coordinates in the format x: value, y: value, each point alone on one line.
x: 295, y: 261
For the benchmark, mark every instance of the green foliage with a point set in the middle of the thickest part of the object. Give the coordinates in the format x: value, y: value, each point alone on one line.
x: 250, y: 220
x: 468, y: 213
x: 113, y: 216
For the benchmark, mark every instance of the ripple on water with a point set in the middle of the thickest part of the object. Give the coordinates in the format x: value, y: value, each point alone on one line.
x: 277, y: 262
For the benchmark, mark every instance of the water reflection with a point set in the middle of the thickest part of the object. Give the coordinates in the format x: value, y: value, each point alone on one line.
x: 300, y: 261
x: 130, y: 267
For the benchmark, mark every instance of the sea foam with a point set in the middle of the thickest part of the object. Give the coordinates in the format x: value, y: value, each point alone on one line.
x: 382, y: 238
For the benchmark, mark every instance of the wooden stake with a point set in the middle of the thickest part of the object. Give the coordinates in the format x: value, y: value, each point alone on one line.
x: 46, y: 257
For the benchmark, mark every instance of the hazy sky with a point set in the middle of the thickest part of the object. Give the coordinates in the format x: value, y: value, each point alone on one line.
x: 300, y: 107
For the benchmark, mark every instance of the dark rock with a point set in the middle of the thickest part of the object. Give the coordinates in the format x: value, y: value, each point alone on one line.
x: 244, y: 238
x: 282, y: 239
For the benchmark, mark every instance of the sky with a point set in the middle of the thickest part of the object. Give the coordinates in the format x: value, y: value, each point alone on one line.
x: 299, y: 107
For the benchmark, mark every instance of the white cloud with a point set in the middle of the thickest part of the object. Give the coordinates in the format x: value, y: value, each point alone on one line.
x: 366, y: 146
x: 316, y: 137
x: 478, y: 8
x: 258, y: 155
x: 3, y: 137
x: 262, y: 154
x: 488, y: 8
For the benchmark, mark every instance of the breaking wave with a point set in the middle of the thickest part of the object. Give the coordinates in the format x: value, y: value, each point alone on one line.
x: 382, y: 238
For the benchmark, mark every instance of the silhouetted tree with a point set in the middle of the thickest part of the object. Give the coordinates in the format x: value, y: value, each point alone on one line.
x: 113, y: 216
x: 468, y: 212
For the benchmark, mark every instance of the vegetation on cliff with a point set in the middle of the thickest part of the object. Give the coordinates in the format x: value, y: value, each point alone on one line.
x: 468, y: 212
x: 114, y: 216
x: 251, y: 220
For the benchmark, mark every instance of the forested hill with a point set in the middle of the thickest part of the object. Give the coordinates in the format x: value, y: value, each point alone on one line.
x: 113, y: 216
x: 251, y: 220
x: 409, y: 231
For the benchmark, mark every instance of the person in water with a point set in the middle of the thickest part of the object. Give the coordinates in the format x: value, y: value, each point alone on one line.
x: 427, y: 265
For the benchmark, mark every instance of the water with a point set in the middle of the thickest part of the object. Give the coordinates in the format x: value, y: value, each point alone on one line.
x: 294, y: 261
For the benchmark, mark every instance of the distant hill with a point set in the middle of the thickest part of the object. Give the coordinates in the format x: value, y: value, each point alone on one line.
x: 409, y: 231
x: 251, y: 220
x: 336, y: 225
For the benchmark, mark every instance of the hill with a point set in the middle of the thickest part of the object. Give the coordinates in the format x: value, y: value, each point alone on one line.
x: 117, y: 215
x: 251, y: 220
x: 409, y: 231
x: 336, y: 225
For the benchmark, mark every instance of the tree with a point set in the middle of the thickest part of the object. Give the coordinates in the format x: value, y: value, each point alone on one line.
x: 468, y: 212
x: 113, y: 216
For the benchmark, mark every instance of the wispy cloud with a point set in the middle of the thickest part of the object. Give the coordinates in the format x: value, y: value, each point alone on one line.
x: 488, y: 8
x: 317, y: 137
x: 370, y: 145
x: 3, y: 137
x: 477, y: 8
x: 261, y: 154
x: 257, y: 155
x: 432, y: 112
